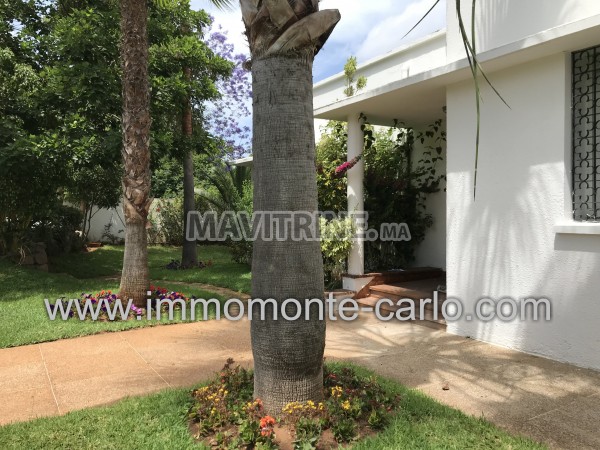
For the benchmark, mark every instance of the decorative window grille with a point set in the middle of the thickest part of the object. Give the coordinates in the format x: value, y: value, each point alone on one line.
x: 586, y: 134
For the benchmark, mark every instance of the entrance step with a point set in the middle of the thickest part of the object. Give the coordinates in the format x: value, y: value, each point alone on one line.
x: 417, y: 291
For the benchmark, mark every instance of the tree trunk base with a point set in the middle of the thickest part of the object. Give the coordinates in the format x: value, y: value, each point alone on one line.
x: 135, y: 279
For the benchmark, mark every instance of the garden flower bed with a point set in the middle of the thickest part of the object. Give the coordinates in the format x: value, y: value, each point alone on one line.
x: 104, y: 307
x: 225, y: 416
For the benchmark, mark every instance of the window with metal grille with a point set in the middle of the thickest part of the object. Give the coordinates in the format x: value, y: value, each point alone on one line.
x: 586, y: 134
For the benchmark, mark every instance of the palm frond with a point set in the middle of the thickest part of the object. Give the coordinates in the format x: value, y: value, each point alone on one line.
x: 476, y: 70
x: 421, y: 19
x: 223, y: 4
x: 227, y: 185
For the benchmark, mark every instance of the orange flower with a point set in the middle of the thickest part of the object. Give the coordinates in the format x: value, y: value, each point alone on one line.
x: 266, y: 426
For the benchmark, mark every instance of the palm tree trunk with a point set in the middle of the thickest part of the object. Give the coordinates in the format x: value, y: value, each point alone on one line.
x: 189, y: 256
x: 288, y: 355
x: 136, y: 153
x: 284, y: 36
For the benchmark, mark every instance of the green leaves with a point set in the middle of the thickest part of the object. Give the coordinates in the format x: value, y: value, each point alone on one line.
x: 60, y: 96
x: 336, y: 243
x: 222, y: 4
x: 331, y: 152
x: 353, y: 87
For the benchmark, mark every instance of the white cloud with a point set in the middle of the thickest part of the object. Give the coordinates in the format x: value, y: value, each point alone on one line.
x: 387, y: 34
x: 367, y: 28
x: 374, y: 27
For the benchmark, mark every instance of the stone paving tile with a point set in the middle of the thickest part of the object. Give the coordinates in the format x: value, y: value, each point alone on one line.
x: 100, y: 390
x: 10, y: 357
x: 547, y: 400
x: 89, y: 361
x: 23, y: 377
x: 572, y: 426
x: 21, y: 368
x: 27, y: 404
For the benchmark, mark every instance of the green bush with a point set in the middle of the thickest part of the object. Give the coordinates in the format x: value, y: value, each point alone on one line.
x: 228, y: 189
x: 57, y: 230
x: 308, y: 432
x: 31, y: 170
x: 241, y: 251
x: 344, y: 429
x: 167, y: 223
x: 336, y: 243
x: 399, y: 176
x: 331, y: 152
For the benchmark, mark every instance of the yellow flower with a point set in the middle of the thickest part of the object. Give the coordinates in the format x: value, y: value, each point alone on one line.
x: 346, y: 405
x: 336, y: 391
x: 321, y: 406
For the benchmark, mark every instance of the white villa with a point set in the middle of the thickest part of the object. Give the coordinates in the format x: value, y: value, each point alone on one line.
x: 533, y: 230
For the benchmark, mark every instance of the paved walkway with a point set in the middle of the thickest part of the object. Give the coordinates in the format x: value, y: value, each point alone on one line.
x: 549, y: 401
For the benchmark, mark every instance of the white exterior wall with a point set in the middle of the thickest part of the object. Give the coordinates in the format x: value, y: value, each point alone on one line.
x: 421, y: 56
x: 501, y: 22
x: 103, y: 217
x: 432, y: 251
x: 504, y: 243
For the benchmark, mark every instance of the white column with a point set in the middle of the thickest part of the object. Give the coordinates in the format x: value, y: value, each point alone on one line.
x: 356, y: 199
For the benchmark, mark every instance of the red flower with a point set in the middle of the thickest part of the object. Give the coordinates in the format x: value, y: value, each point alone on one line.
x: 342, y: 169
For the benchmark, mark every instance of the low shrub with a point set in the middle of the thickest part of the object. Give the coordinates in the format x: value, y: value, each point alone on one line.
x: 336, y: 243
x: 57, y: 230
x: 167, y: 223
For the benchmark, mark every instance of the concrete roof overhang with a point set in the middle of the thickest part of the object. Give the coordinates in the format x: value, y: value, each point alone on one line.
x: 419, y: 99
x: 242, y: 162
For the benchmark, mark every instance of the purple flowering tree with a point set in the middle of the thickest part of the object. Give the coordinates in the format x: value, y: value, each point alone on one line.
x: 228, y: 117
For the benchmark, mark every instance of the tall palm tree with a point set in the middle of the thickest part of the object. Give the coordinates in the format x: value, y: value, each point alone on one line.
x: 284, y: 36
x: 136, y: 152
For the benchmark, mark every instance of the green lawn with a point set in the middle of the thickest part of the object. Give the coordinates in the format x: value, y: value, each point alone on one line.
x: 108, y: 261
x: 158, y: 422
x: 23, y: 316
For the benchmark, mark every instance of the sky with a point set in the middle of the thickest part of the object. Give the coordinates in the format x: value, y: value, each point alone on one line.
x: 368, y: 28
x: 364, y: 32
